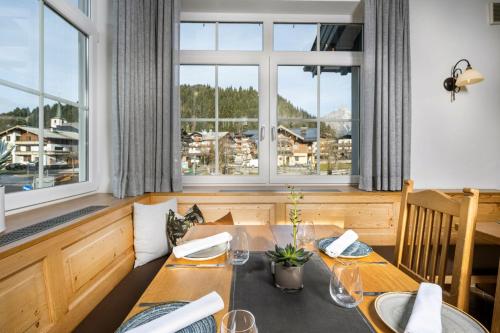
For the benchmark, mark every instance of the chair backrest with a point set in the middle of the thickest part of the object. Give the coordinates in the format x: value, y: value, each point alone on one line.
x: 424, y: 236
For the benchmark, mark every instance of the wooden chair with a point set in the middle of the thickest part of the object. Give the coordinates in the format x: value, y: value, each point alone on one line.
x: 424, y: 236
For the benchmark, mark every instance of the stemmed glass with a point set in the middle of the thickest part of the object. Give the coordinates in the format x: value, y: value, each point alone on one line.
x: 306, y: 235
x: 346, y: 287
x: 241, y: 321
x: 239, y: 252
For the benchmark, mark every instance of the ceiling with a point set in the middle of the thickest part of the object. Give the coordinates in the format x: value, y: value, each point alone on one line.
x: 325, y: 7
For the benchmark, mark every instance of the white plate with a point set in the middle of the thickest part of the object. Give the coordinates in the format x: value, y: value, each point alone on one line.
x: 395, y: 309
x: 210, y: 253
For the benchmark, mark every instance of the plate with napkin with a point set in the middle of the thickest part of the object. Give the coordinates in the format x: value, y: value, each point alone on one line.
x: 345, y: 246
x: 424, y: 312
x: 180, y: 317
x: 204, y: 248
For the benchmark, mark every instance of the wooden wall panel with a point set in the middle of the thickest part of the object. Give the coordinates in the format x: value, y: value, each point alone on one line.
x: 85, y: 259
x: 369, y: 215
x: 24, y: 303
x: 245, y: 214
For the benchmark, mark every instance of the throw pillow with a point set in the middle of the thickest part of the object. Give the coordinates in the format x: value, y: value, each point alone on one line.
x: 150, y: 240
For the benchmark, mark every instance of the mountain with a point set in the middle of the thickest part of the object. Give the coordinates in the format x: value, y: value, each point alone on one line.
x: 341, y: 127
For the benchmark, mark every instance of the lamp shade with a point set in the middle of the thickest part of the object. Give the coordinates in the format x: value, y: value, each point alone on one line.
x: 470, y: 76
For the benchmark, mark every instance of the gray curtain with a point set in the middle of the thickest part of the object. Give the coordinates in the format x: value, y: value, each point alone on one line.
x: 145, y: 97
x: 386, y: 112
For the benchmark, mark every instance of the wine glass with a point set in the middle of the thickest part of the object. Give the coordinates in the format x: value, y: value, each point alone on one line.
x: 346, y: 287
x: 306, y: 235
x: 238, y: 250
x: 241, y: 321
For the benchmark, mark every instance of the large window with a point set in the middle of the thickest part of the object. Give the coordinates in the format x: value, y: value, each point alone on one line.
x: 44, y: 94
x: 270, y: 102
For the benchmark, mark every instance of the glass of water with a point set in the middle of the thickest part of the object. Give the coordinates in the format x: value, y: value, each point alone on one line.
x: 346, y: 287
x: 238, y: 250
x: 238, y: 321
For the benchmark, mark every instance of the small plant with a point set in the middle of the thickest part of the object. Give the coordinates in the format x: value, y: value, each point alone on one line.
x: 5, y: 153
x: 290, y: 255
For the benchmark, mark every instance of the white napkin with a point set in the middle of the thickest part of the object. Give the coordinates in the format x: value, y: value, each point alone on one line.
x: 184, y: 316
x: 201, y: 244
x: 340, y: 244
x: 426, y: 314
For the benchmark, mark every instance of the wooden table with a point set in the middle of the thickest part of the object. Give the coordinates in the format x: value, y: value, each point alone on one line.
x: 172, y: 284
x: 489, y: 232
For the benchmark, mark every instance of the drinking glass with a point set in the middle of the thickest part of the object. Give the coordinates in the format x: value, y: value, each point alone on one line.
x: 241, y: 321
x: 238, y: 250
x: 346, y: 287
x: 306, y: 235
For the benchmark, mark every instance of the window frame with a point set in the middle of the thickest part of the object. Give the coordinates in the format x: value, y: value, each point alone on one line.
x: 268, y: 59
x: 71, y: 13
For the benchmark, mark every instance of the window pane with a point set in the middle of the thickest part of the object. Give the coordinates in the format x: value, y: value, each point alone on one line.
x: 238, y: 148
x: 238, y: 92
x: 297, y: 142
x: 341, y: 37
x: 65, y: 59
x: 83, y: 5
x: 19, y: 44
x: 63, y: 161
x: 339, y: 92
x: 295, y: 37
x: 240, y: 36
x: 198, y: 148
x: 197, y: 91
x: 338, y: 152
x: 197, y: 36
x: 18, y: 139
x: 297, y: 93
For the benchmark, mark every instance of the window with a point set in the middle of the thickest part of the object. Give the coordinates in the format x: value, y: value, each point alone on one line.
x: 221, y: 36
x: 44, y: 96
x: 219, y: 138
x: 270, y: 112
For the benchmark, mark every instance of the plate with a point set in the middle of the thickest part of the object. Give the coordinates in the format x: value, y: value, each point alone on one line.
x: 210, y: 253
x: 395, y: 309
x: 206, y: 325
x: 355, y: 250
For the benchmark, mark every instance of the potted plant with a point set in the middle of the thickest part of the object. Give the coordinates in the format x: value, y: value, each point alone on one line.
x: 288, y: 262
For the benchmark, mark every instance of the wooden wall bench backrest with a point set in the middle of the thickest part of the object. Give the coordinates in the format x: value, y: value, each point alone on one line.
x: 51, y: 282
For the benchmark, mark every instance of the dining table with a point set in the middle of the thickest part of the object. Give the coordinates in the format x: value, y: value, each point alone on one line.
x: 180, y: 284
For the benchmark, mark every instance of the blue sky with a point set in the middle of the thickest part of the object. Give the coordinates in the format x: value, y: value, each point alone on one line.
x: 19, y: 48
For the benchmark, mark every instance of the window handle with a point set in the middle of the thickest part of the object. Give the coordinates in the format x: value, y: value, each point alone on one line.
x: 273, y: 133
x: 262, y: 133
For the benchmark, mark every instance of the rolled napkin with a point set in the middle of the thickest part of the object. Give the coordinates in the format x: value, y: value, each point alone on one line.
x: 201, y: 244
x: 426, y: 313
x: 184, y: 316
x: 340, y: 244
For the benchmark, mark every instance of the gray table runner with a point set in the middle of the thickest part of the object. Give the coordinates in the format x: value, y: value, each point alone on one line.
x: 309, y: 311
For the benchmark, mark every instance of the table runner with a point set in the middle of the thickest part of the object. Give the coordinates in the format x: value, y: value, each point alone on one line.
x: 311, y: 310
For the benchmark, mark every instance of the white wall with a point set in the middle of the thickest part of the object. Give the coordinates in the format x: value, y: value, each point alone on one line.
x: 457, y: 144
x: 102, y: 17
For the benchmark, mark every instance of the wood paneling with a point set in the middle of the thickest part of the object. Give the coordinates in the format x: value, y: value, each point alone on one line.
x: 24, y: 303
x: 245, y: 214
x: 85, y: 259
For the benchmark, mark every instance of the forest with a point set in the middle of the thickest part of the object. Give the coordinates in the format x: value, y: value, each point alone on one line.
x: 26, y: 117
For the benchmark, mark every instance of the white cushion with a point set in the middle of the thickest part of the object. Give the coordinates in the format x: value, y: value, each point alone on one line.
x: 150, y: 230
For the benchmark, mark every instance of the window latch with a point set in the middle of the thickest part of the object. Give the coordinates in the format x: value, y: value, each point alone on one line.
x: 273, y: 133
x: 262, y: 133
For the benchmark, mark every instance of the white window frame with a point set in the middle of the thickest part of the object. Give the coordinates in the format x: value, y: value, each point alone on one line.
x: 22, y: 199
x: 268, y: 60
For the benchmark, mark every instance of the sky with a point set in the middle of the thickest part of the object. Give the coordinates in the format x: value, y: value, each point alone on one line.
x: 19, y: 52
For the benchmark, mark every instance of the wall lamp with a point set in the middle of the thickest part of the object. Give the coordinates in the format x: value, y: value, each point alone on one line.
x: 460, y: 78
